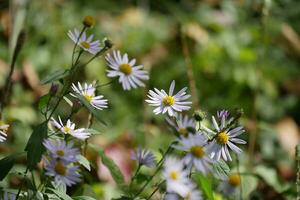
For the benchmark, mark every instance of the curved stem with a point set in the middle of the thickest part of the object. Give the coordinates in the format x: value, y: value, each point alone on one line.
x: 159, y: 165
x: 157, y: 188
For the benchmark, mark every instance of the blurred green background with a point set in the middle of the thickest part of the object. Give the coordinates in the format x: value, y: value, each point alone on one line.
x: 244, y: 54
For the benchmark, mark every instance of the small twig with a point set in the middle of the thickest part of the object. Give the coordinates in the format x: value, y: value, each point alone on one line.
x: 189, y: 68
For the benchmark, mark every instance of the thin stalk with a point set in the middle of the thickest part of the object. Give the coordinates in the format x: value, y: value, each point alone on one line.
x: 76, y: 44
x: 157, y: 188
x: 159, y: 166
x: 298, y: 171
x: 22, y: 183
x: 189, y: 69
x: 239, y: 173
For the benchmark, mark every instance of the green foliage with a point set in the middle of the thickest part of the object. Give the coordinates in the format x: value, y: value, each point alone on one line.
x: 206, y: 185
x: 35, y: 147
x: 221, y: 169
x: 84, y: 162
x: 55, y: 76
x: 112, y: 167
x: 6, y: 164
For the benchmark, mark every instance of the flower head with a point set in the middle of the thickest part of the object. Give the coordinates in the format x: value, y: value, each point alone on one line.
x: 196, y: 152
x: 67, y: 174
x: 69, y: 128
x: 225, y: 139
x: 59, y: 150
x: 88, y: 92
x: 130, y: 76
x: 89, y: 21
x: 168, y: 102
x: 3, y: 129
x: 231, y: 184
x: 176, y: 176
x: 144, y: 157
x: 85, y: 42
x: 182, y: 124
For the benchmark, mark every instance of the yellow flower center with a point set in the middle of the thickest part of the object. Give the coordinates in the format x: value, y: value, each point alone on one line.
x: 60, y: 153
x: 168, y: 101
x: 184, y: 132
x: 125, y: 68
x: 67, y: 129
x: 234, y: 180
x: 89, y: 98
x: 222, y: 138
x: 89, y: 21
x: 60, y: 168
x: 85, y: 44
x: 197, y: 151
x: 174, y: 175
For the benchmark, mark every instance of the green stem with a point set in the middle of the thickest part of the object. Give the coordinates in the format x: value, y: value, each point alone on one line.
x: 159, y: 166
x: 76, y: 44
x: 157, y: 188
x: 22, y: 183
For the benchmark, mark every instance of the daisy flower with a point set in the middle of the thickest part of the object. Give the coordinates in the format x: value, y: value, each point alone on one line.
x: 196, y: 152
x: 183, y: 122
x: 69, y: 128
x: 144, y: 157
x: 225, y: 139
x: 130, y: 76
x: 88, y: 92
x: 67, y: 174
x: 59, y: 150
x: 176, y: 176
x: 168, y: 102
x: 85, y: 42
x: 3, y: 129
x: 231, y: 184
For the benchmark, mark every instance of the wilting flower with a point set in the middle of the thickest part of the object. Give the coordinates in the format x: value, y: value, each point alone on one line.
x: 231, y: 184
x: 196, y: 152
x: 59, y: 150
x: 129, y: 74
x: 176, y: 176
x: 224, y: 140
x: 69, y: 128
x: 62, y: 172
x: 3, y: 129
x: 88, y: 92
x: 85, y: 42
x: 168, y: 102
x: 144, y: 157
x: 182, y: 124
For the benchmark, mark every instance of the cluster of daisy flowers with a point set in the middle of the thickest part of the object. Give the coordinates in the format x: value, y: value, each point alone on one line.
x: 61, y: 162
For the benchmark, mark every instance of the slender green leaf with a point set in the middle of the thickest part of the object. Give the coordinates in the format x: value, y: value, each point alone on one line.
x: 60, y: 194
x: 43, y: 102
x: 221, y: 169
x: 93, y: 110
x: 112, y: 167
x: 206, y: 185
x: 83, y: 198
x: 59, y: 74
x: 6, y: 164
x: 93, y: 131
x: 35, y: 147
x: 83, y: 161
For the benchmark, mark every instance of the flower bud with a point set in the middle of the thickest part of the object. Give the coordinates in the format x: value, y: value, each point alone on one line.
x: 199, y: 115
x: 108, y: 43
x: 89, y: 21
x: 54, y: 89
